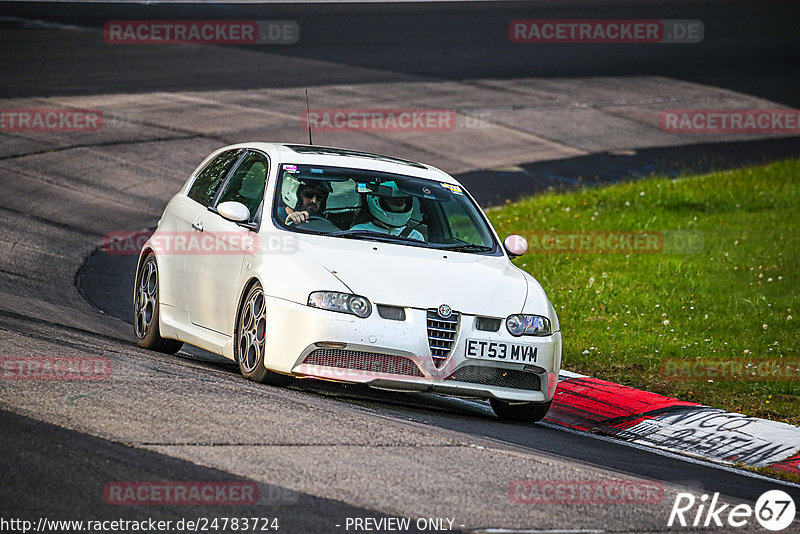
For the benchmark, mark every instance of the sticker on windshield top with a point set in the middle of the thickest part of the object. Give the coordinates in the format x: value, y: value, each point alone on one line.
x: 362, y: 188
x: 455, y: 189
x: 318, y: 171
x: 290, y: 168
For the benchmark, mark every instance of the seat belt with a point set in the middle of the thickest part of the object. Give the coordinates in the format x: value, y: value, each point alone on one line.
x: 408, y: 229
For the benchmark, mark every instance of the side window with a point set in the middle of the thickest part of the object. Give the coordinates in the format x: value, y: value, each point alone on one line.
x: 247, y: 183
x: 207, y: 181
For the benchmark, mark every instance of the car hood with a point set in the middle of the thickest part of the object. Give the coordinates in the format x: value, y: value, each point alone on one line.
x: 424, y: 278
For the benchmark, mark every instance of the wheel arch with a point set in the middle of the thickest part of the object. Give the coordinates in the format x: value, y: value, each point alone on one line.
x: 152, y: 339
x: 146, y: 251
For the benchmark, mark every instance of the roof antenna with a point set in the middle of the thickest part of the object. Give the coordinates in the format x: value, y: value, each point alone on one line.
x: 308, y: 120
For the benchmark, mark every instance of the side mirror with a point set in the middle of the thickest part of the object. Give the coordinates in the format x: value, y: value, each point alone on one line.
x: 515, y: 245
x: 234, y: 211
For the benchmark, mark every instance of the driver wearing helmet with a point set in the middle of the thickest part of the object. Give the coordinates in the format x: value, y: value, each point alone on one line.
x: 302, y: 199
x: 391, y: 213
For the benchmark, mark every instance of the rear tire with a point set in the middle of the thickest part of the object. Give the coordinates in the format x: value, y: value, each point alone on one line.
x: 526, y: 413
x: 146, y: 310
x: 251, y: 332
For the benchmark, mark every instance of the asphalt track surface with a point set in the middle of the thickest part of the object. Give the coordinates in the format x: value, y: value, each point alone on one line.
x: 329, y: 451
x: 749, y: 46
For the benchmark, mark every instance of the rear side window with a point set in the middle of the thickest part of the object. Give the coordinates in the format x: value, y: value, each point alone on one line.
x: 205, y: 185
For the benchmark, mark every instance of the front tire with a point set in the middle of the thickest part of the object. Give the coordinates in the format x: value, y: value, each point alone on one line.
x: 146, y: 310
x: 526, y: 413
x: 251, y: 333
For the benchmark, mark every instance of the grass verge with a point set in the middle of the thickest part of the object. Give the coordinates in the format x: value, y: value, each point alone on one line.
x: 715, y: 281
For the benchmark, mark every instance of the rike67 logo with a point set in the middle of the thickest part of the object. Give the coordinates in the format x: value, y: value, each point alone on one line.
x: 774, y: 510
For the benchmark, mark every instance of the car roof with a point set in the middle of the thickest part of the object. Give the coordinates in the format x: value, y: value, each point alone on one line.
x: 343, y: 157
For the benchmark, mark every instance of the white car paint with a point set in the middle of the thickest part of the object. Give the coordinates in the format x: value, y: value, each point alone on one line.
x: 200, y: 294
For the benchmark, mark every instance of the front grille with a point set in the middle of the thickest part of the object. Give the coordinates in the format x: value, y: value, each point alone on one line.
x: 441, y: 335
x: 363, y: 361
x: 495, y: 376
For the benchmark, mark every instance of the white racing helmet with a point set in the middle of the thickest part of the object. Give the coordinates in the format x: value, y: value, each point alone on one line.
x: 390, y: 206
x: 292, y: 184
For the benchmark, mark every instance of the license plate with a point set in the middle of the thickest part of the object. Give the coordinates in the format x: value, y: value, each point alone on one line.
x: 501, y: 351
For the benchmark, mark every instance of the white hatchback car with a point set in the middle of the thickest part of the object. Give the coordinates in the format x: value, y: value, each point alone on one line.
x: 302, y: 261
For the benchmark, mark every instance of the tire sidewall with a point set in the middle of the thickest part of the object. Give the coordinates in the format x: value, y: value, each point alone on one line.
x: 260, y: 373
x: 260, y: 370
x: 152, y: 335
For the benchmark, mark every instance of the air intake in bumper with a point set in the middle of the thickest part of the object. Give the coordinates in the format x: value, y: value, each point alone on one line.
x: 494, y: 376
x: 370, y: 362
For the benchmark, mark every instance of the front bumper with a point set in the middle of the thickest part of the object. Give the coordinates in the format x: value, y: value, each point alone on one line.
x: 396, y: 355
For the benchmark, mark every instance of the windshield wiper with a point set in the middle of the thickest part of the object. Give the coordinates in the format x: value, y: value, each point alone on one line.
x: 378, y: 236
x: 467, y: 247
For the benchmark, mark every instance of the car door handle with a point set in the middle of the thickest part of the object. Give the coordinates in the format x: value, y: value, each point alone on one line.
x: 198, y: 226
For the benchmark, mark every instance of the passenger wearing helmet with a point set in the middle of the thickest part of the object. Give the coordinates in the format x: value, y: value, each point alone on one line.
x: 302, y: 199
x: 391, y: 210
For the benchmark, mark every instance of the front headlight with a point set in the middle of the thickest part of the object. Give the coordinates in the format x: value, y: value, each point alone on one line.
x: 340, y: 302
x: 528, y: 325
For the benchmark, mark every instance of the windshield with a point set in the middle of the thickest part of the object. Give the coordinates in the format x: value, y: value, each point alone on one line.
x: 362, y: 204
